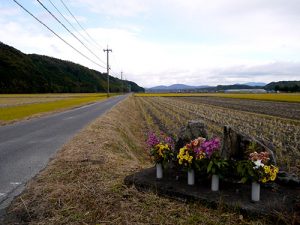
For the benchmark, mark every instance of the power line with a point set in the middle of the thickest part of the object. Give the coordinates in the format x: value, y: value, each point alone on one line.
x: 96, y: 44
x: 79, y: 24
x: 68, y: 30
x: 57, y: 34
x: 69, y: 22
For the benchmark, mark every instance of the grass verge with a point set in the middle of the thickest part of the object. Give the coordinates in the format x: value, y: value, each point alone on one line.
x: 282, y: 97
x: 84, y: 183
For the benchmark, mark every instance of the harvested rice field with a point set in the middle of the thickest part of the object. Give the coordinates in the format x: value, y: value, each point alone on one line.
x: 255, y: 119
x: 14, y: 107
x: 289, y: 110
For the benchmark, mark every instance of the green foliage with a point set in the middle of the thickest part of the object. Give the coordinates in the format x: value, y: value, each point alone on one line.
x: 21, y: 73
x: 201, y: 166
x: 245, y: 171
x: 217, y: 166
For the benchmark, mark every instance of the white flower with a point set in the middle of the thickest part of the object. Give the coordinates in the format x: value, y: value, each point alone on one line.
x: 258, y: 164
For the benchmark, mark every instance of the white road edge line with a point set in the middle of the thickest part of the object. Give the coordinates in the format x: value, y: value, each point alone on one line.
x: 15, y: 183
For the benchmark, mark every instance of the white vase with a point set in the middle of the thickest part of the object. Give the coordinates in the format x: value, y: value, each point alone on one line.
x: 191, y: 177
x: 255, y: 192
x: 159, y: 171
x: 215, y: 183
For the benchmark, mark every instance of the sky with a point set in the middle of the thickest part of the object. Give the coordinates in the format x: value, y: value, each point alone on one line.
x: 164, y: 42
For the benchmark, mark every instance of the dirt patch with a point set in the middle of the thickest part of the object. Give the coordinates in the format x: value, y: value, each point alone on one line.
x: 84, y: 183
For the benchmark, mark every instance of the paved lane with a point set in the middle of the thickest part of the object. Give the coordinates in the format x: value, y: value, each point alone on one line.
x: 25, y: 147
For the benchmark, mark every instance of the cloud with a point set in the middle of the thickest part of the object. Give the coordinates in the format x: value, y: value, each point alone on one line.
x: 228, y: 75
x: 280, y: 69
x: 173, y: 41
x: 9, y: 11
x: 116, y: 8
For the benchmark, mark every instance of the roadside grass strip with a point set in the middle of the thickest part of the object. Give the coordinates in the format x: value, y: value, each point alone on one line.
x: 283, y: 97
x: 83, y: 183
x: 23, y: 111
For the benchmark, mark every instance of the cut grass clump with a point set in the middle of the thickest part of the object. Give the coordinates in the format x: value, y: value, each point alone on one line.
x: 84, y: 183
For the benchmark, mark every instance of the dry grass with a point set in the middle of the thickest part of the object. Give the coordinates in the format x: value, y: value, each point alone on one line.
x: 282, y: 97
x: 84, y: 183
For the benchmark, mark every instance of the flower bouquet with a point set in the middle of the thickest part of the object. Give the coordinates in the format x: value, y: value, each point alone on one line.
x: 161, y: 151
x: 258, y: 169
x: 216, y: 166
x: 189, y: 157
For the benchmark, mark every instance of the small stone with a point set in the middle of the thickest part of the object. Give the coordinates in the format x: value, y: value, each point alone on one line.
x: 193, y: 130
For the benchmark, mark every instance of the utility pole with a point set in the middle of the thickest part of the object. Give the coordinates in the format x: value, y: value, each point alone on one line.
x: 122, y: 81
x: 107, y: 65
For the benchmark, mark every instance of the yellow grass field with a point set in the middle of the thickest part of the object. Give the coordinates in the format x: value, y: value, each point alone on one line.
x: 283, y: 97
x: 19, y: 106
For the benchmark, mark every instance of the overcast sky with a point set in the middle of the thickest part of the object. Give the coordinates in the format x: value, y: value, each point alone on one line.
x: 163, y: 42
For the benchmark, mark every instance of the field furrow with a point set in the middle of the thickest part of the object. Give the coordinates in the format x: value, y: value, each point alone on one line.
x: 172, y: 113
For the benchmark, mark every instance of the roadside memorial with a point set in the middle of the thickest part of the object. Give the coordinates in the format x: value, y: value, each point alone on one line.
x: 235, y: 170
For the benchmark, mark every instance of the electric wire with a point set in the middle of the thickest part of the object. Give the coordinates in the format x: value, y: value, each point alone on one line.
x: 75, y: 29
x: 57, y: 34
x: 66, y: 7
x: 68, y: 30
x: 97, y: 45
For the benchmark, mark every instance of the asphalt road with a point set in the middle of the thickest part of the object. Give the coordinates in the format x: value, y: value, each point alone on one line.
x: 26, y: 147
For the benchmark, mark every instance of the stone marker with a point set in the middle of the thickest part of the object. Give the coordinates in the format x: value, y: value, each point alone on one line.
x: 236, y: 145
x: 193, y: 130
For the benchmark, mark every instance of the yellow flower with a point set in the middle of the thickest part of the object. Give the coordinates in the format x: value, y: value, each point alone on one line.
x: 267, y: 169
x: 273, y: 177
x: 264, y: 180
x: 276, y: 169
x: 184, y: 156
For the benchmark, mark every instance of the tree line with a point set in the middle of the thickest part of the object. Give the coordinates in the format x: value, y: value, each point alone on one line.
x: 31, y: 73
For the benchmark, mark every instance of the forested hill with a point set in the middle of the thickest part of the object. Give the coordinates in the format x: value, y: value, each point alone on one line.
x: 286, y: 86
x: 31, y: 73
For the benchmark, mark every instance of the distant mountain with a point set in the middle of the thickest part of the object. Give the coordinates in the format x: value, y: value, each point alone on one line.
x: 255, y: 84
x: 181, y: 86
x: 286, y: 86
x: 31, y: 73
x: 176, y: 87
x: 233, y: 86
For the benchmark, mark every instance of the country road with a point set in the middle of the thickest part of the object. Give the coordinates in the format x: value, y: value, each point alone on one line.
x: 26, y: 147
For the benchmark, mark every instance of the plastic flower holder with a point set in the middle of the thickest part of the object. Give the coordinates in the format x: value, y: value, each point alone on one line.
x: 255, y: 192
x: 215, y: 183
x: 191, y: 177
x: 159, y: 171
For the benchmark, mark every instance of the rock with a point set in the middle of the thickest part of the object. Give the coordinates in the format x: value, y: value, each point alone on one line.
x: 193, y: 130
x: 237, y: 145
x: 287, y: 179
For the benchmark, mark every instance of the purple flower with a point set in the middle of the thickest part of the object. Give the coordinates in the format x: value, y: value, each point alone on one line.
x: 169, y: 141
x: 152, y: 140
x: 198, y: 150
x: 211, y: 146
